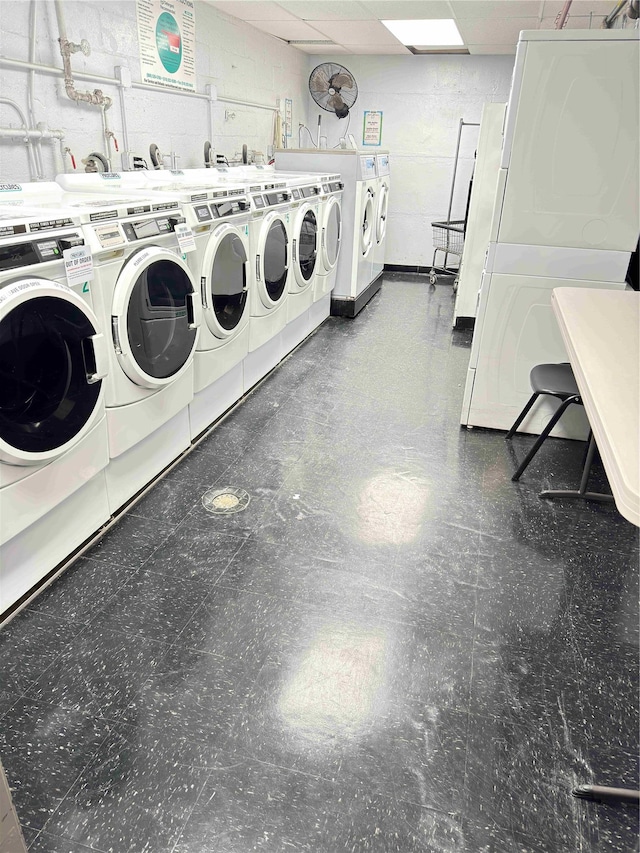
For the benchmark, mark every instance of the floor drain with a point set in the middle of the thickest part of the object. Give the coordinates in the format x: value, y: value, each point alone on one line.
x: 225, y: 501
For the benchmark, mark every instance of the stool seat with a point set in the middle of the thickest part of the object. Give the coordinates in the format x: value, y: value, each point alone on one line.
x: 554, y: 380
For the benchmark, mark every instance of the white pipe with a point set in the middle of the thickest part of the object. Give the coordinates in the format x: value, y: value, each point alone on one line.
x: 31, y: 88
x: 24, y: 134
x: 147, y: 87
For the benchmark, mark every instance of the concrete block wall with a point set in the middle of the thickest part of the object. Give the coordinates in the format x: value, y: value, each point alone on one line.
x: 239, y: 60
x: 422, y: 99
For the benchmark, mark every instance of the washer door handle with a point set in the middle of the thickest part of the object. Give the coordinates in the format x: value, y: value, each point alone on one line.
x: 100, y: 357
x: 257, y: 267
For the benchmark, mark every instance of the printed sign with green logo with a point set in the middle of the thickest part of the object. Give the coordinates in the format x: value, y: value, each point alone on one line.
x: 166, y: 34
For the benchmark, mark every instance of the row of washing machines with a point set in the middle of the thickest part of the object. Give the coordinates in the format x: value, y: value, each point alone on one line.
x: 135, y: 309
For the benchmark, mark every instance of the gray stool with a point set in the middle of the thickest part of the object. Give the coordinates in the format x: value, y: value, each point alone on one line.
x: 555, y: 380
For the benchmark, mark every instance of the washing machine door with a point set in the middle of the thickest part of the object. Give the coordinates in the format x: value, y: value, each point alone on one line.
x: 155, y: 315
x: 331, y: 234
x: 272, y: 261
x: 225, y: 281
x: 367, y: 223
x: 52, y: 361
x: 381, y: 222
x: 305, y: 246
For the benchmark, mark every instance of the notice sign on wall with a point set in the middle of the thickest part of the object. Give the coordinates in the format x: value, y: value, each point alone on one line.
x: 372, y: 129
x: 166, y: 33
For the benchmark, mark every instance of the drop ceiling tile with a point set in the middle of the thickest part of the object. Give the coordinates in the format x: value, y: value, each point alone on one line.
x: 324, y: 49
x: 288, y: 30
x: 493, y: 49
x: 328, y: 10
x: 574, y: 22
x: 601, y: 8
x: 355, y: 32
x: 408, y: 10
x: 478, y: 31
x: 253, y: 10
x: 380, y: 49
x: 497, y: 8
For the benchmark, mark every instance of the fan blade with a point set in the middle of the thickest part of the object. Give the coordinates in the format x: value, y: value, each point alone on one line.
x: 319, y: 82
x: 336, y: 102
x: 340, y: 80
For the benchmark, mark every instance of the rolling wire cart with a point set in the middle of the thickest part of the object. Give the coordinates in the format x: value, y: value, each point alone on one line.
x: 448, y: 236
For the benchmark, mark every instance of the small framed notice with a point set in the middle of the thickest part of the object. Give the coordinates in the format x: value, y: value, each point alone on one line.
x: 372, y: 127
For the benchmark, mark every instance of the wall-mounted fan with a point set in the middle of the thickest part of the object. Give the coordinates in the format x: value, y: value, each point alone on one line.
x: 333, y: 88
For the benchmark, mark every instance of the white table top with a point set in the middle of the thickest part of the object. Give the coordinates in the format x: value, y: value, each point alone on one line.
x: 601, y: 330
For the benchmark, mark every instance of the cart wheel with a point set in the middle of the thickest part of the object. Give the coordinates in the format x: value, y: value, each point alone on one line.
x: 433, y: 278
x: 455, y: 284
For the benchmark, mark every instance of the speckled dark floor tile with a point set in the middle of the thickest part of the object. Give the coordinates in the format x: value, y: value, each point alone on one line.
x: 29, y: 835
x: 394, y: 648
x: 155, y: 606
x: 44, y: 749
x: 130, y: 541
x: 100, y: 673
x: 130, y: 799
x: 82, y: 591
x: 28, y: 645
x: 203, y: 554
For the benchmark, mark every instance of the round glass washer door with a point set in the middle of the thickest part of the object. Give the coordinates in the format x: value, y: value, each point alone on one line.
x: 331, y: 234
x: 156, y: 312
x: 367, y: 224
x: 272, y: 261
x: 225, y: 281
x: 383, y: 203
x: 305, y: 249
x: 52, y: 361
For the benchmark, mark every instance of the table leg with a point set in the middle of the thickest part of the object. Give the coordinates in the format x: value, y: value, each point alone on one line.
x: 582, y: 492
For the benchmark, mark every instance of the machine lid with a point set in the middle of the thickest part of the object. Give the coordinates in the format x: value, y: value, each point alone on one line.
x: 273, y: 262
x: 155, y: 317
x: 332, y: 234
x: 225, y: 280
x: 52, y: 361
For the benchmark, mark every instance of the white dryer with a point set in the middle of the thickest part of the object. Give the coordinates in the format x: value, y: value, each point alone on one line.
x: 329, y: 250
x: 53, y: 434
x: 365, y: 237
x: 382, y: 209
x: 146, y: 296
x: 566, y: 212
x: 219, y: 221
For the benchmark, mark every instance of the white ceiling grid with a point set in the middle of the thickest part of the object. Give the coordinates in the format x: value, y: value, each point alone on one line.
x: 353, y: 26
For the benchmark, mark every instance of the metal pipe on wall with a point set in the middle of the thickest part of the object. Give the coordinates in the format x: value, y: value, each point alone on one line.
x: 31, y: 110
x: 23, y: 133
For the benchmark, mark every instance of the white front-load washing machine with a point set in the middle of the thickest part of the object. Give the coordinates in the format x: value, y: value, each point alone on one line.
x: 270, y: 254
x: 219, y: 221
x: 53, y: 433
x: 305, y: 231
x: 329, y: 249
x: 382, y: 208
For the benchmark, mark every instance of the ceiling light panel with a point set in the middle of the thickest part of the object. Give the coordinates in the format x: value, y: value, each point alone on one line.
x: 431, y: 33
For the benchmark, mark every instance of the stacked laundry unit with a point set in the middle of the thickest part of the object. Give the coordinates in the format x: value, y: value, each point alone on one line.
x: 218, y: 258
x: 566, y: 212
x: 356, y: 282
x: 382, y: 194
x: 53, y: 363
